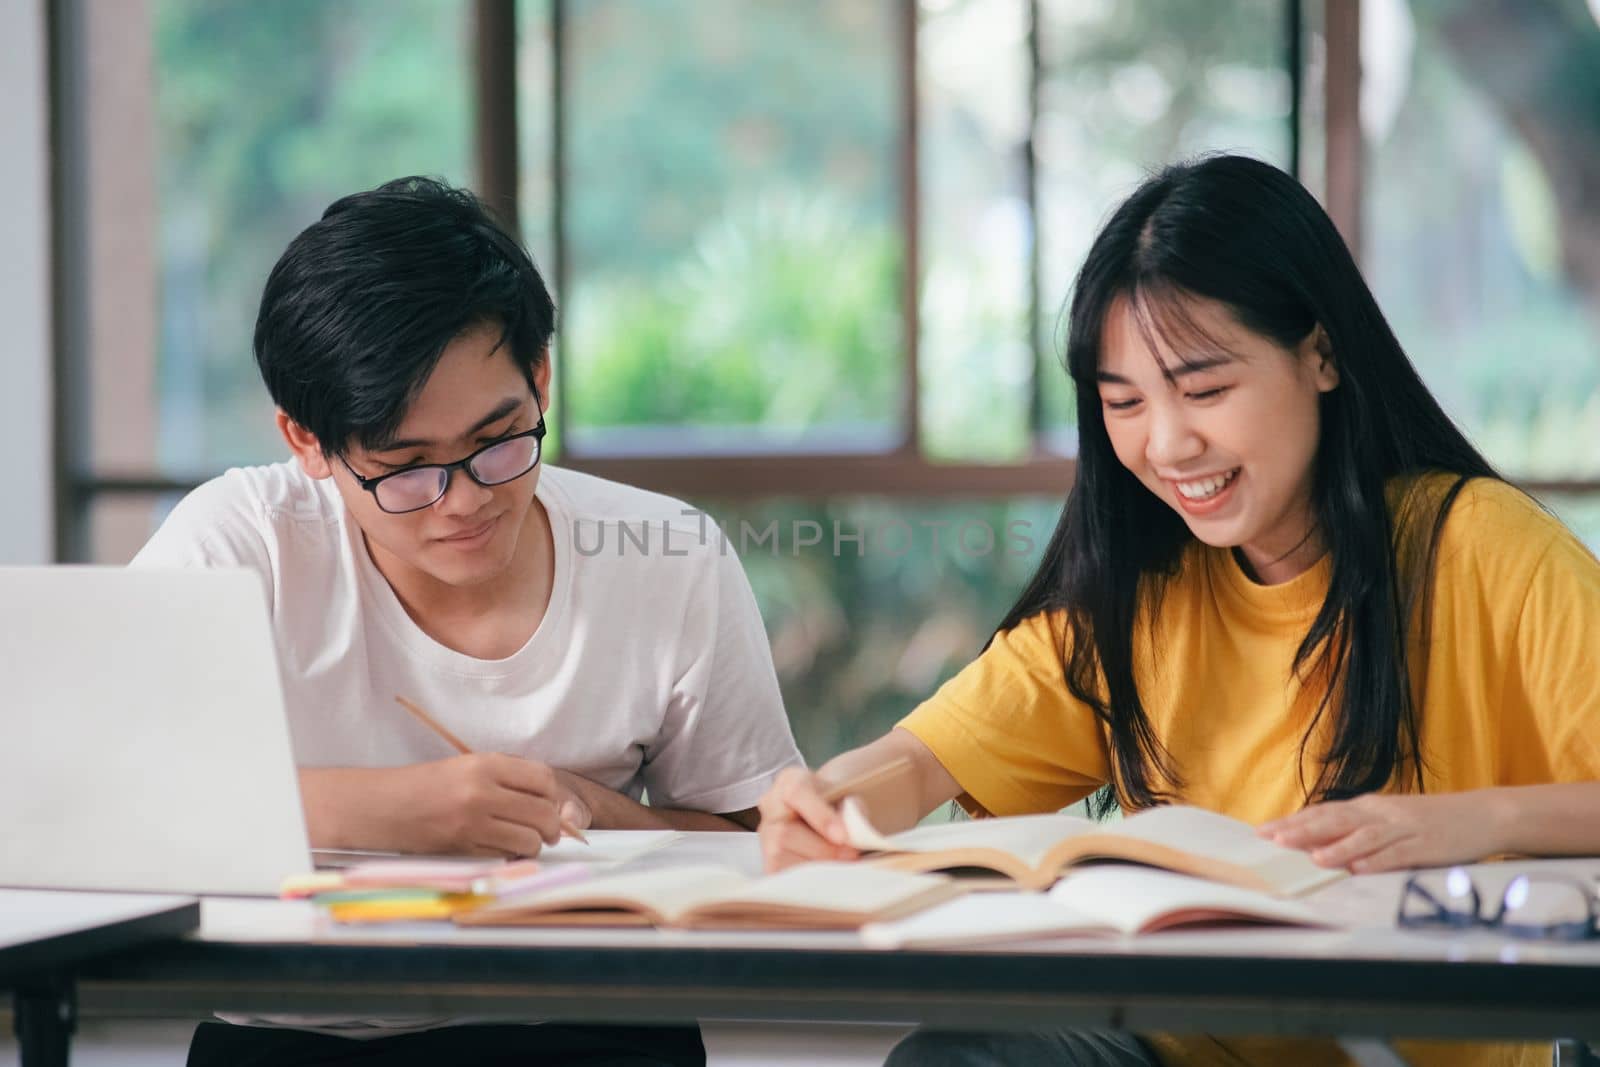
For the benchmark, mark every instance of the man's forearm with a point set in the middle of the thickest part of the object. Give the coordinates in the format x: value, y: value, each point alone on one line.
x: 338, y: 804
x: 376, y: 808
x: 610, y: 810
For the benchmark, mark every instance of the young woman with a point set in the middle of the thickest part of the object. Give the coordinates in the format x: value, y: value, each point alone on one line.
x: 1284, y: 587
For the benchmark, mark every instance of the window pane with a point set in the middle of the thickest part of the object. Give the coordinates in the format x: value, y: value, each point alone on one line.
x: 1314, y: 97
x: 735, y: 259
x: 976, y: 230
x: 265, y: 113
x: 1128, y: 86
x: 536, y: 135
x: 871, y: 604
x: 120, y: 524
x: 1481, y: 238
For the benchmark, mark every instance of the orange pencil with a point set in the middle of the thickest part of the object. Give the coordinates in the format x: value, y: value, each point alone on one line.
x: 461, y: 747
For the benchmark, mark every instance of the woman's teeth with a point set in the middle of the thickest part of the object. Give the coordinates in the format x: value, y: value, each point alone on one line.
x: 1206, y: 488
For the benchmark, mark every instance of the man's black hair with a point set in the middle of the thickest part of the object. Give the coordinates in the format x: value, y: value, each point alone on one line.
x: 361, y: 305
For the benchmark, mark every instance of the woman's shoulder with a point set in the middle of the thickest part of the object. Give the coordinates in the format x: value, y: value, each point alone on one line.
x: 1490, y: 525
x: 1039, y: 637
x: 1473, y: 502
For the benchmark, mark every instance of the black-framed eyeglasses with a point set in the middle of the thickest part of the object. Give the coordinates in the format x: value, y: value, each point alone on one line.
x: 415, y: 488
x: 1544, y: 906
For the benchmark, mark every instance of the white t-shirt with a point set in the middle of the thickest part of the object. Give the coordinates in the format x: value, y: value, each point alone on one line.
x: 650, y: 670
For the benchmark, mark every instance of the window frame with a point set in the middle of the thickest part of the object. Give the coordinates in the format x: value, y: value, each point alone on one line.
x: 902, y: 470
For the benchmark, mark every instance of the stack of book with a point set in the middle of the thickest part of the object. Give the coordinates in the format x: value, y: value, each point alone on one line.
x: 407, y: 890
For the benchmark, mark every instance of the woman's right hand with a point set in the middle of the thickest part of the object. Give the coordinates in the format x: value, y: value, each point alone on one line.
x: 798, y: 825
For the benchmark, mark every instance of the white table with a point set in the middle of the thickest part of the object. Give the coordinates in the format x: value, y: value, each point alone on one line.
x: 1370, y: 981
x: 45, y: 934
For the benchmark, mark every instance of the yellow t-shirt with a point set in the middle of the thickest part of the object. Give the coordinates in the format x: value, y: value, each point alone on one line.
x: 1508, y: 699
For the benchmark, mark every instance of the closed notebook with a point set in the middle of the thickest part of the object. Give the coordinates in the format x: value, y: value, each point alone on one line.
x: 1110, y: 899
x: 1035, y: 850
x: 400, y: 905
x: 412, y: 889
x: 444, y: 875
x: 812, y: 896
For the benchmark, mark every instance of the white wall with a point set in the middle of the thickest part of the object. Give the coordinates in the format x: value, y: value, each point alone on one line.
x: 26, y: 518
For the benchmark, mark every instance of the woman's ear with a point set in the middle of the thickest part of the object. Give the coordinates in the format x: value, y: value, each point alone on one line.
x: 306, y: 448
x: 1320, y: 359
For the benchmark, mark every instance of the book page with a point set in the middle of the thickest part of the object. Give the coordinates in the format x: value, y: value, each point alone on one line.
x: 1136, y: 899
x: 1209, y: 835
x: 848, y: 888
x: 1198, y: 830
x: 983, y: 919
x: 1027, y: 837
x: 608, y: 846
x: 666, y: 893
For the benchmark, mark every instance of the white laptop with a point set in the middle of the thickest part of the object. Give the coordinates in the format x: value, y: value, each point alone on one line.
x: 145, y: 745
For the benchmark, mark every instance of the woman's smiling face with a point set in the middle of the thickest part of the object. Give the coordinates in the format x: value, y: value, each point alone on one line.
x: 1221, y: 423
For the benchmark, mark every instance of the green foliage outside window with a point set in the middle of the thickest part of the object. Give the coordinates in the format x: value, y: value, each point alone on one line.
x: 737, y: 261
x: 779, y: 315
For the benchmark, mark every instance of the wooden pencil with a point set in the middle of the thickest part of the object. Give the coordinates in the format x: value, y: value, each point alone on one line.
x: 867, y: 779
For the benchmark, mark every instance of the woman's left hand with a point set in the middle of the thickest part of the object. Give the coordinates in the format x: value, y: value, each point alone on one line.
x: 1381, y: 833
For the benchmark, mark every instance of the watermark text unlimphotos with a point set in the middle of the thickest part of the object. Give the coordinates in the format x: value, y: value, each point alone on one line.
x: 893, y: 538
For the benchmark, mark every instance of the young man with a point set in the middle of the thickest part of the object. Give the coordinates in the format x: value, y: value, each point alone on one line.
x: 416, y: 547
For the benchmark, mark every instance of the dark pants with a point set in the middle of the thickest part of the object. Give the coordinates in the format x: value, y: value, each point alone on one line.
x: 547, y: 1045
x: 1059, y: 1048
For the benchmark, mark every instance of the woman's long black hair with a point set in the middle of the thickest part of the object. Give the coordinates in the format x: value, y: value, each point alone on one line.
x: 1245, y: 234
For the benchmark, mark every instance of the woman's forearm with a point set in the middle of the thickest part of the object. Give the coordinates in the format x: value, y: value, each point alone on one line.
x: 1547, y: 820
x: 897, y: 804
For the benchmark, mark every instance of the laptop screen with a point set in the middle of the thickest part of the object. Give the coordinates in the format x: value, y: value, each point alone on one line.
x: 146, y: 746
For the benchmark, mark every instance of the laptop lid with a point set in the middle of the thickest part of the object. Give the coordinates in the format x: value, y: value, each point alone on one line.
x: 145, y: 743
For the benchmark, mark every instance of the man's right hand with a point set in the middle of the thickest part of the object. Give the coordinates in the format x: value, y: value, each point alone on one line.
x: 483, y: 804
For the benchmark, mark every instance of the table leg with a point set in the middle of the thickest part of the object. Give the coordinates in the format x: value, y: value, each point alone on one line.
x: 45, y: 1016
x: 1574, y: 1054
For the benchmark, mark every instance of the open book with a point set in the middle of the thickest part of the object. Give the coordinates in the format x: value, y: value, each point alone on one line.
x: 1102, y: 900
x: 1035, y: 850
x: 812, y: 896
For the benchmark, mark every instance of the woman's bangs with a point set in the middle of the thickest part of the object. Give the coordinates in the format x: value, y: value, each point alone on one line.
x: 1164, y: 315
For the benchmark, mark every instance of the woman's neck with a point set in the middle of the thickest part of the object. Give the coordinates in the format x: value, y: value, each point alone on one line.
x: 1269, y: 565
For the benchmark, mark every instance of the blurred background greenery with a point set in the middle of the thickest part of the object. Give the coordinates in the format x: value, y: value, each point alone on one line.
x: 736, y: 254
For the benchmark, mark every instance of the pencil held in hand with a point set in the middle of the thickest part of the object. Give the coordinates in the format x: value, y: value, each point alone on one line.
x: 867, y: 780
x: 460, y: 746
x: 437, y: 727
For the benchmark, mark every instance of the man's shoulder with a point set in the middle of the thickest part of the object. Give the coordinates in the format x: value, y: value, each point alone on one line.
x: 270, y: 493
x: 234, y: 516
